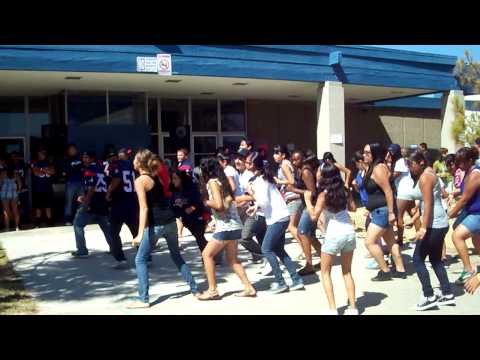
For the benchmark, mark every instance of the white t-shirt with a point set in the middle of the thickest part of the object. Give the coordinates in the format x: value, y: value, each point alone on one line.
x: 244, y: 177
x: 230, y: 171
x: 270, y: 201
x: 404, y: 180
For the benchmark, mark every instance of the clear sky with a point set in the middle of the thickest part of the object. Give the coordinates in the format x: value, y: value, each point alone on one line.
x: 455, y: 50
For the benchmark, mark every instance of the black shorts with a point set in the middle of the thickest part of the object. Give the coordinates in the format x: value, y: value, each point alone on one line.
x: 42, y: 200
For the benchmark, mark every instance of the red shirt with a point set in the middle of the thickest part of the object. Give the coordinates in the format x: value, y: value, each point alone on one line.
x: 165, y: 178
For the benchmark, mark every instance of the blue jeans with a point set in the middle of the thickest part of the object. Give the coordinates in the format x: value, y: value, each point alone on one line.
x: 84, y: 218
x: 431, y: 245
x: 73, y: 189
x: 274, y: 245
x: 150, y: 238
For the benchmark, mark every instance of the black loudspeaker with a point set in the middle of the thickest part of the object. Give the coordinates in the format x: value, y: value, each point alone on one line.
x: 180, y: 136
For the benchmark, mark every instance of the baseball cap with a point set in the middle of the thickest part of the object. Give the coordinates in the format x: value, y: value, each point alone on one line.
x: 396, y: 150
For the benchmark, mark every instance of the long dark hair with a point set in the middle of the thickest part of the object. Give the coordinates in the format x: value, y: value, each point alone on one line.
x: 418, y: 156
x: 187, y: 181
x: 332, y: 182
x: 378, y: 154
x: 265, y: 169
x: 466, y: 154
x: 211, y: 169
x: 281, y: 149
x: 310, y: 158
x: 328, y: 156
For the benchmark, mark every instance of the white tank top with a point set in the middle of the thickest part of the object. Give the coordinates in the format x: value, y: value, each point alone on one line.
x: 337, y: 224
x: 225, y: 221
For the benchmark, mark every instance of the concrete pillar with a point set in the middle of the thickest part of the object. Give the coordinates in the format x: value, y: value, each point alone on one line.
x: 448, y: 116
x: 331, y: 120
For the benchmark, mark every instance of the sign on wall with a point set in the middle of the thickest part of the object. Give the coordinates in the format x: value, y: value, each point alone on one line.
x: 161, y: 64
x: 147, y: 64
x: 164, y: 64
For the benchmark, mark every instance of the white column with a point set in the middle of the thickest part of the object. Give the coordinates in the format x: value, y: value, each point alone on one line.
x: 331, y: 120
x: 448, y: 116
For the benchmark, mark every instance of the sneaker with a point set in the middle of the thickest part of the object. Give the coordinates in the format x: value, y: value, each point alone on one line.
x: 297, y: 286
x: 17, y: 229
x: 372, y: 265
x: 275, y: 288
x: 445, y: 300
x: 68, y: 223
x: 351, y: 312
x: 329, y: 312
x: 399, y: 275
x: 427, y: 303
x: 464, y: 276
x: 304, y: 272
x: 382, y: 276
x: 78, y: 255
x: 120, y: 265
x: 267, y: 270
x: 255, y: 261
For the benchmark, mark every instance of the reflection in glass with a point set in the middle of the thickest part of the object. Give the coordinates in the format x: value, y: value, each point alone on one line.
x: 87, y: 110
x: 126, y: 109
x: 204, y: 115
x: 233, y: 115
x: 12, y: 116
x: 153, y: 114
x: 39, y: 115
x: 232, y: 142
x: 174, y: 113
x: 205, y: 144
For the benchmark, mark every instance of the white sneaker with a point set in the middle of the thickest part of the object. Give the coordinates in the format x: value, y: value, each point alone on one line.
x: 267, y: 270
x: 351, y: 312
x: 329, y: 312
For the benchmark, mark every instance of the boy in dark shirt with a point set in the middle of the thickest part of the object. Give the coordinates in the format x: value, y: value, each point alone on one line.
x: 42, y: 187
x: 73, y: 172
x: 93, y: 207
x: 121, y: 193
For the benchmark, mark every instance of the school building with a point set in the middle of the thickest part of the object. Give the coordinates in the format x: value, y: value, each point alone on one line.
x: 319, y: 97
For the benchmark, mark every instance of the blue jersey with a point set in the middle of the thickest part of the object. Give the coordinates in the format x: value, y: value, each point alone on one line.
x: 94, y: 176
x: 73, y: 168
x: 361, y: 187
x: 43, y: 182
x: 124, y: 194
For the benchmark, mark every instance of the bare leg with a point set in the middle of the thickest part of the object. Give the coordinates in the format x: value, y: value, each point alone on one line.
x: 460, y: 235
x: 346, y: 261
x: 232, y: 259
x: 213, y: 248
x: 16, y: 213
x: 326, y: 262
x: 374, y: 233
x: 394, y: 249
x: 6, y: 213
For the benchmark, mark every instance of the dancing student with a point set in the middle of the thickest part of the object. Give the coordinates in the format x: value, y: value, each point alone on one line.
x: 268, y: 199
x: 431, y: 235
x: 42, y: 186
x: 377, y: 182
x: 10, y: 185
x: 328, y: 159
x: 307, y: 163
x: 228, y: 230
x: 467, y: 224
x: 156, y: 220
x: 335, y: 201
x: 285, y: 177
x: 252, y: 225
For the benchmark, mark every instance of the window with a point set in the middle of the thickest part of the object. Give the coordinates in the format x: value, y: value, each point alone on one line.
x: 232, y: 142
x: 39, y: 114
x: 153, y: 114
x: 204, y: 115
x: 126, y: 109
x: 174, y: 114
x: 87, y: 110
x: 204, y: 146
x: 12, y: 116
x: 233, y: 115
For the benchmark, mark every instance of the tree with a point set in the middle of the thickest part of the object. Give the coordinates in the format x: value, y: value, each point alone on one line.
x: 466, y: 128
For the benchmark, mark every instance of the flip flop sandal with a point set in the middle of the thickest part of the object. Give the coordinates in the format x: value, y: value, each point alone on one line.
x: 246, y: 294
x: 138, y: 305
x: 305, y: 272
x: 207, y: 296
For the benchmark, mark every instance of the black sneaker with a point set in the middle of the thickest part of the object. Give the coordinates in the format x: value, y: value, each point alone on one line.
x: 383, y: 276
x: 427, y: 303
x: 78, y: 255
x: 445, y: 300
x: 399, y: 275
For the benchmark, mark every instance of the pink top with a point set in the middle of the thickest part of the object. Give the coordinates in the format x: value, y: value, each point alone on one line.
x: 459, y: 174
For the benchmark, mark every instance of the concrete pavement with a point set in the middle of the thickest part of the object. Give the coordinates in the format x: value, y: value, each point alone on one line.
x: 63, y: 285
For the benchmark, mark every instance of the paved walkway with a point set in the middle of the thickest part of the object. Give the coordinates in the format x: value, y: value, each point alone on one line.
x: 63, y: 285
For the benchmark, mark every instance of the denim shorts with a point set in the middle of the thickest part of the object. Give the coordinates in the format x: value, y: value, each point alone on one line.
x: 340, y: 244
x: 306, y: 226
x: 294, y: 206
x: 380, y: 217
x: 470, y: 221
x: 228, y: 235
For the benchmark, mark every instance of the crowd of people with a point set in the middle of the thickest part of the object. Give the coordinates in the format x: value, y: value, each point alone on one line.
x: 245, y: 197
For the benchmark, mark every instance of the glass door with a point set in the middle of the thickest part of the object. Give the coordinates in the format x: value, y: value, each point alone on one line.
x: 204, y: 146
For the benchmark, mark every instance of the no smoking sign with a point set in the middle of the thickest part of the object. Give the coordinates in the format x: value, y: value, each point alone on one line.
x: 164, y: 64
